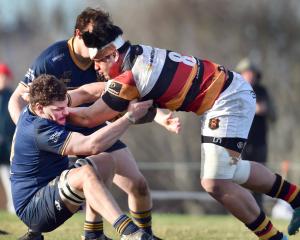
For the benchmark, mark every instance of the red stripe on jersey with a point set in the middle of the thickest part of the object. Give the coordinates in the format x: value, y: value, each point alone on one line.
x: 125, y: 78
x: 209, y: 69
x: 179, y: 79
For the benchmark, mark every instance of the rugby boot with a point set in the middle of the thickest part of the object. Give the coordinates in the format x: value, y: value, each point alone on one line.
x: 32, y: 236
x: 294, y: 225
x: 138, y: 235
x: 102, y: 237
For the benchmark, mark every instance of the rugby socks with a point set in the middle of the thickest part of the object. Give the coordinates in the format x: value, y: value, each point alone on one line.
x: 125, y: 226
x: 143, y: 220
x: 264, y: 229
x: 93, y: 230
x: 287, y: 191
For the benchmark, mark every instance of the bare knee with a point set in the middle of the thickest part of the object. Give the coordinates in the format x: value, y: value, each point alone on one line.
x: 88, y: 174
x: 139, y: 186
x: 104, y: 166
x: 214, y: 187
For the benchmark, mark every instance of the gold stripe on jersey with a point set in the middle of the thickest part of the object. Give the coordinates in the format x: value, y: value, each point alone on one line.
x: 65, y: 144
x: 177, y: 101
x: 213, y: 91
x: 124, y: 91
x: 82, y: 65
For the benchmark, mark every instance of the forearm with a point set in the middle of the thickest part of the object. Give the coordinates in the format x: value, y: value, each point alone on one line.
x: 79, y: 116
x: 107, y: 136
x: 91, y: 116
x: 86, y: 94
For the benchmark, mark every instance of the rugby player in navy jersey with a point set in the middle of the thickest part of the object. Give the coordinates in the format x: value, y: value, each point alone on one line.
x: 46, y: 191
x: 70, y: 60
x: 223, y: 99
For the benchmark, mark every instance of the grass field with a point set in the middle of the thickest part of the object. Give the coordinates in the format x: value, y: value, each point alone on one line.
x: 167, y: 226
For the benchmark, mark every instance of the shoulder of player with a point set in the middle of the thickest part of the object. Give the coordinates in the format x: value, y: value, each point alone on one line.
x: 43, y: 124
x: 54, y: 53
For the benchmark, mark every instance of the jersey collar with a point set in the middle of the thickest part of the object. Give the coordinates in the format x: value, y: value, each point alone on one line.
x: 79, y: 64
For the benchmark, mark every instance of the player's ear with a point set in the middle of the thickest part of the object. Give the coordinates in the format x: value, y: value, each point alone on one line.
x: 77, y: 33
x: 38, y: 108
x: 116, y: 56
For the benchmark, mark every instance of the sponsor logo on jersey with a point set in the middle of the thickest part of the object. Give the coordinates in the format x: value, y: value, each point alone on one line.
x: 58, y: 57
x: 214, y: 123
x: 115, y: 88
x: 55, y: 137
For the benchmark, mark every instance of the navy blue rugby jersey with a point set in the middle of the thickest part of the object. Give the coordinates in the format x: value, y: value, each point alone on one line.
x: 59, y: 60
x: 37, y: 156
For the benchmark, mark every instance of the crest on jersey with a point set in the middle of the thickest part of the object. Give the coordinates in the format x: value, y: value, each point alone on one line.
x: 214, y: 123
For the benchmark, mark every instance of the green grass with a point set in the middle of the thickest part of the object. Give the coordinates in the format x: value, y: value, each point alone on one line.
x: 167, y: 226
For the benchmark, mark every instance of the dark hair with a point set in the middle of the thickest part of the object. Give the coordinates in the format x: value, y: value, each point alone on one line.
x: 46, y: 89
x: 102, y: 35
x: 90, y: 15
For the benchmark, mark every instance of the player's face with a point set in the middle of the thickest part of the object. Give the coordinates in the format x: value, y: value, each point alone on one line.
x: 57, y: 112
x: 107, y: 67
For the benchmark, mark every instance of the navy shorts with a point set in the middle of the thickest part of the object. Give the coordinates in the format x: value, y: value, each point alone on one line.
x: 88, y: 131
x: 46, y: 211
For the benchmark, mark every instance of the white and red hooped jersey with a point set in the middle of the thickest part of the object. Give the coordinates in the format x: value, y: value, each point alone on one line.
x: 173, y: 81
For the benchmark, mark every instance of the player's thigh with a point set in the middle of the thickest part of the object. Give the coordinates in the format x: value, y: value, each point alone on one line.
x: 127, y: 172
x: 104, y: 165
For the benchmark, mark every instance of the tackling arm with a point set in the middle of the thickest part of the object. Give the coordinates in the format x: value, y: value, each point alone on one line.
x: 105, y: 137
x: 87, y: 93
x: 91, y: 116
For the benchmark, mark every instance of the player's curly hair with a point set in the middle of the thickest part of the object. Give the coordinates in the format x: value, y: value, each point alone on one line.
x: 46, y: 89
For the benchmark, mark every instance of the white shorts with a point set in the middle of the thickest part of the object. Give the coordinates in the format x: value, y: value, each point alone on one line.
x: 230, y: 117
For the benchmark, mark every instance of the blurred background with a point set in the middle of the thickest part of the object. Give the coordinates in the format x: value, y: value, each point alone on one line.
x: 224, y: 31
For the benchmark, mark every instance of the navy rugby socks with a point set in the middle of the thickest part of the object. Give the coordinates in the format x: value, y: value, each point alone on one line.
x: 125, y: 226
x: 93, y: 230
x: 143, y: 220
